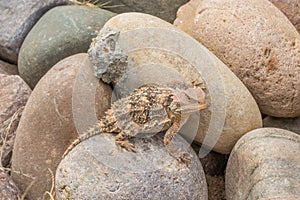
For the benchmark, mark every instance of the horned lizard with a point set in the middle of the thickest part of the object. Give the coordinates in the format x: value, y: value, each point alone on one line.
x: 146, y: 111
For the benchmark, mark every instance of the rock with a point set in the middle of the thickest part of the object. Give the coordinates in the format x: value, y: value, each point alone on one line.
x: 257, y: 42
x: 214, y: 163
x: 165, y: 9
x: 291, y: 124
x: 47, y: 126
x: 8, y: 189
x: 9, y: 69
x: 98, y: 169
x: 216, y: 187
x: 14, y: 93
x: 264, y: 164
x: 7, y: 137
x: 61, y: 32
x: 16, y: 19
x: 131, y: 45
x: 291, y: 8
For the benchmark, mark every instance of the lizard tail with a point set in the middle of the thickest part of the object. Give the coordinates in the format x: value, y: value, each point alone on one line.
x: 90, y: 133
x: 74, y: 143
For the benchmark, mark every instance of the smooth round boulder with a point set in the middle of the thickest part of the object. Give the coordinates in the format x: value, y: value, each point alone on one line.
x: 61, y: 32
x: 291, y: 8
x: 257, y: 42
x: 98, y: 169
x: 133, y: 49
x: 264, y: 164
x: 291, y: 124
x: 16, y: 19
x: 48, y: 125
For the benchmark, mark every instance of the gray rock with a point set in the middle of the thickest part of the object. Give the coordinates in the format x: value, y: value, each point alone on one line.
x: 98, y: 169
x: 165, y: 9
x: 61, y: 32
x: 291, y: 124
x: 48, y: 124
x: 9, y: 69
x: 264, y: 164
x: 8, y: 189
x: 16, y: 19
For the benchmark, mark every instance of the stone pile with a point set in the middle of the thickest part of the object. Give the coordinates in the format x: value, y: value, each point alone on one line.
x: 63, y: 65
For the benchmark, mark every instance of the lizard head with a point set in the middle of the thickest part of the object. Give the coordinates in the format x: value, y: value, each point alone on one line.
x: 188, y: 101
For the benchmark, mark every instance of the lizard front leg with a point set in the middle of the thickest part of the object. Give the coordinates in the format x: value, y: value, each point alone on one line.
x: 122, y: 140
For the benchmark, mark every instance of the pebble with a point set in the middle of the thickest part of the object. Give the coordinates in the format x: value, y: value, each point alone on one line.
x: 257, y: 42
x: 61, y: 32
x: 49, y: 123
x: 16, y: 19
x: 133, y: 49
x: 264, y: 164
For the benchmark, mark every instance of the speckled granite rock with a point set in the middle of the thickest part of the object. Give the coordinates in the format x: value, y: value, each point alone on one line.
x: 9, y: 69
x: 8, y: 189
x: 98, y: 169
x: 16, y: 19
x: 264, y: 164
x: 47, y: 126
x: 291, y: 8
x: 257, y: 42
x: 131, y: 45
x: 14, y: 93
x: 61, y: 32
x: 291, y: 124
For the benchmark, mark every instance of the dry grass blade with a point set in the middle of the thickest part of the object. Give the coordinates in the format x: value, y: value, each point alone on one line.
x: 95, y: 4
x: 7, y: 128
x: 51, y: 193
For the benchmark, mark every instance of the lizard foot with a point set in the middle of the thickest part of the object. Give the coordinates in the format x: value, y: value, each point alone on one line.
x: 126, y: 145
x: 185, y: 158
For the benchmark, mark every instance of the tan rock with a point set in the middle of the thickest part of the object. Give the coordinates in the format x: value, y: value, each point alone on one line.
x: 291, y: 8
x: 133, y: 49
x: 257, y: 42
x: 264, y: 164
x: 47, y: 126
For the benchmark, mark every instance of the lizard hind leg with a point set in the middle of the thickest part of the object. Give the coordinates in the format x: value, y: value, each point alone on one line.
x: 182, y: 157
x: 122, y: 140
